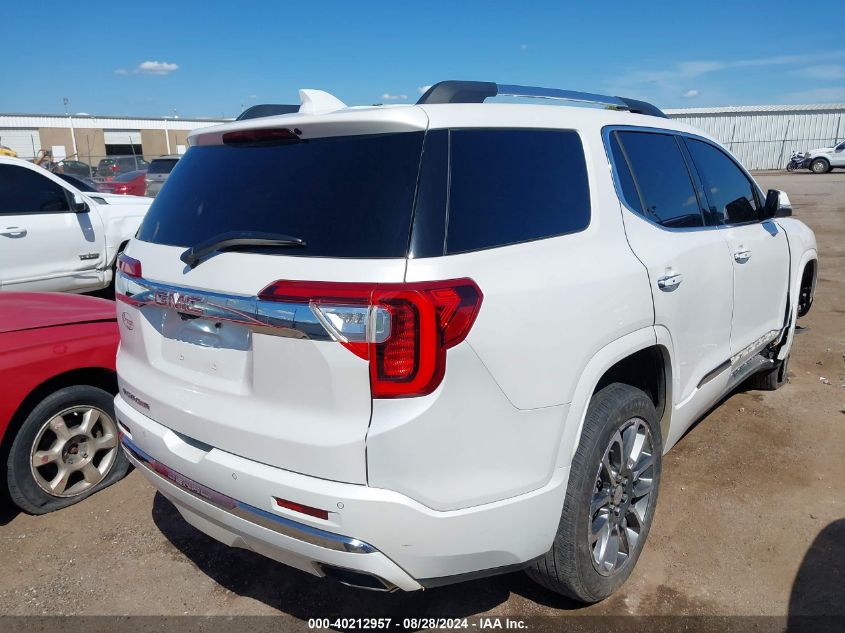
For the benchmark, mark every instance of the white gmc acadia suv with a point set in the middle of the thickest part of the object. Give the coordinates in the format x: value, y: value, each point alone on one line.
x: 408, y: 346
x: 54, y: 237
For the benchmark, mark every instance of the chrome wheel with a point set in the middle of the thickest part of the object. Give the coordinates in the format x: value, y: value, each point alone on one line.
x: 622, y: 496
x: 819, y: 166
x: 74, y: 451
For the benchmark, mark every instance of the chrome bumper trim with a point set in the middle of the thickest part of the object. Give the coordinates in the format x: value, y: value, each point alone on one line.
x: 279, y: 524
x: 276, y: 318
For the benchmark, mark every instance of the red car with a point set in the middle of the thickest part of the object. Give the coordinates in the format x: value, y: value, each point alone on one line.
x: 131, y: 183
x: 58, y: 431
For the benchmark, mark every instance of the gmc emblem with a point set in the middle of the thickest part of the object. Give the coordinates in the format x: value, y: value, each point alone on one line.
x: 179, y: 302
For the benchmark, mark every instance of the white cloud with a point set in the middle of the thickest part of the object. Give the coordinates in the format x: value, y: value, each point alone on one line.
x: 423, y: 89
x: 121, y: 71
x: 823, y: 72
x: 253, y: 96
x: 389, y: 97
x: 157, y: 68
x: 689, y: 94
x: 523, y: 47
x: 664, y: 84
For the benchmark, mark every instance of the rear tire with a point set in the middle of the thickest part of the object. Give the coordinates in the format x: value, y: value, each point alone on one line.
x: 621, y: 427
x: 61, y: 443
x: 771, y: 379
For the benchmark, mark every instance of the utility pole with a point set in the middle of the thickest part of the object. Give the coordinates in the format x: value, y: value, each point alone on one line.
x: 72, y: 133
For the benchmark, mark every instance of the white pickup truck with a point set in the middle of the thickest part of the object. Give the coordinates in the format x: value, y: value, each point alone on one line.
x: 54, y: 237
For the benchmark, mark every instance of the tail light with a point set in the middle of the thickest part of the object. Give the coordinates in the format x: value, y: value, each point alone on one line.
x: 403, y: 330
x: 265, y: 136
x: 129, y: 265
x: 125, y: 285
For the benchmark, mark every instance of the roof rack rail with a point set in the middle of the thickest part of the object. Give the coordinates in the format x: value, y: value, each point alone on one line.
x: 478, y: 91
x: 266, y: 109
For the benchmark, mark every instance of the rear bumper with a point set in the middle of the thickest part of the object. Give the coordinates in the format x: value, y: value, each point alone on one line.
x: 373, y: 531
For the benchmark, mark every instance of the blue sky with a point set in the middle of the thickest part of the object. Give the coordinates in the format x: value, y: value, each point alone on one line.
x: 210, y: 58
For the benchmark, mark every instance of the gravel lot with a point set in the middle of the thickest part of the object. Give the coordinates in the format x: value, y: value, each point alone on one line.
x: 751, y: 517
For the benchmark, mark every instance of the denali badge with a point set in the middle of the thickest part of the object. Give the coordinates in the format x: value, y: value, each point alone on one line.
x: 135, y: 399
x: 178, y: 301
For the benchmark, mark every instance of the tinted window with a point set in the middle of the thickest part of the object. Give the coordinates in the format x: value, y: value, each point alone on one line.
x: 23, y: 190
x: 345, y: 196
x: 623, y: 173
x: 730, y: 194
x: 510, y: 186
x: 162, y: 166
x: 662, y: 179
x: 79, y: 183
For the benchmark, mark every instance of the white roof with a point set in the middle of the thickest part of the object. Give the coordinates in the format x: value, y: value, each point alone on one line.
x: 811, y: 107
x: 406, y: 118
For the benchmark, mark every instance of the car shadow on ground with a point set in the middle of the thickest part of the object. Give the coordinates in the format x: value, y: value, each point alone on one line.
x: 817, y: 600
x: 304, y: 596
x: 8, y: 511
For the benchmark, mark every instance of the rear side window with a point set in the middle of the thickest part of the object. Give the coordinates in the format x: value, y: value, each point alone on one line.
x: 660, y: 177
x: 346, y: 196
x: 511, y: 186
x: 162, y: 166
x: 730, y: 194
x: 24, y: 190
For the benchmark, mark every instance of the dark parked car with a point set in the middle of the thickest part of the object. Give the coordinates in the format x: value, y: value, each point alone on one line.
x: 74, y: 168
x: 81, y: 183
x: 113, y: 166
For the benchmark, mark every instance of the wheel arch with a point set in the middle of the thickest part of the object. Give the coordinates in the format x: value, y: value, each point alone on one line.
x: 639, y: 359
x: 808, y: 277
x: 105, y: 379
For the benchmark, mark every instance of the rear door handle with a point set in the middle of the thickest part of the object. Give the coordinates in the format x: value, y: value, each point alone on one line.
x: 742, y: 256
x: 670, y: 282
x: 13, y: 231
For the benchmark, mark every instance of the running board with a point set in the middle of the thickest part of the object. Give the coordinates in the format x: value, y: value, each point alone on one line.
x: 749, y: 368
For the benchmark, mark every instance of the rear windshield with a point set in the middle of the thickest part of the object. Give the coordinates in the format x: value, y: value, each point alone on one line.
x: 160, y: 166
x: 346, y: 196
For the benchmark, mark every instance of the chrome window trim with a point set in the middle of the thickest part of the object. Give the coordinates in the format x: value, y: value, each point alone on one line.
x: 607, y: 130
x: 263, y: 518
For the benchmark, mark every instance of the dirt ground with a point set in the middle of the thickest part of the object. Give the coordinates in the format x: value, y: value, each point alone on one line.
x: 750, y: 521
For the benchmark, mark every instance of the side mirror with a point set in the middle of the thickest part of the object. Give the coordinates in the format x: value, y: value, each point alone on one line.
x: 777, y: 205
x: 78, y: 205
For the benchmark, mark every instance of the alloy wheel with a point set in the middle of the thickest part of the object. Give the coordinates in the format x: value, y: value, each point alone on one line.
x: 622, y: 496
x: 74, y: 451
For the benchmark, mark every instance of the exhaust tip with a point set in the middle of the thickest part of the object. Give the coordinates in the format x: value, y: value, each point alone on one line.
x: 356, y: 579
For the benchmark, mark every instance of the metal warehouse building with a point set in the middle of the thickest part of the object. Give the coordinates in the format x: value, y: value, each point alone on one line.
x: 764, y: 137
x: 90, y: 138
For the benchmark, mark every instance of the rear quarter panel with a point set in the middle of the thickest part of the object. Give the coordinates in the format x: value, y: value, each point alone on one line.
x: 29, y: 358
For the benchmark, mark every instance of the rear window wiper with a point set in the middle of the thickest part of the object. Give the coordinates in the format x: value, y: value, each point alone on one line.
x: 234, y: 239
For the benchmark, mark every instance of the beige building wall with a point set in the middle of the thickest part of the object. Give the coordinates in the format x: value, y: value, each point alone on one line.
x: 52, y: 136
x: 178, y: 137
x: 91, y: 145
x: 153, y: 143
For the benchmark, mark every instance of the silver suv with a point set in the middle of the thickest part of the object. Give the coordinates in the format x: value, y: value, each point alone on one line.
x: 157, y: 173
